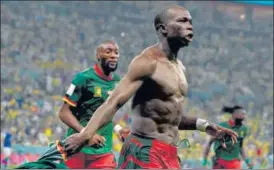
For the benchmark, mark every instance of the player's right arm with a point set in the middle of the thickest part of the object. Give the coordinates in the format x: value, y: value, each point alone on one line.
x: 140, y: 68
x: 68, y: 118
x: 207, y: 150
x: 71, y: 98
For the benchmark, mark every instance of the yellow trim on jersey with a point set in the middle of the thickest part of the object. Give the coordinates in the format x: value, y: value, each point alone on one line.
x: 72, y: 103
x: 61, y: 150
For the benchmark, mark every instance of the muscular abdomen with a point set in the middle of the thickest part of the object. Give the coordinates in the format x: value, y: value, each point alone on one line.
x: 156, y: 114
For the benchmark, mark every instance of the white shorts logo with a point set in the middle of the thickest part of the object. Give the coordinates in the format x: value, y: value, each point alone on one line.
x: 71, y: 89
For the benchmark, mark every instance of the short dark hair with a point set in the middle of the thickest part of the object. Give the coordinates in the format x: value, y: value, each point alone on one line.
x: 162, y: 16
x: 231, y: 109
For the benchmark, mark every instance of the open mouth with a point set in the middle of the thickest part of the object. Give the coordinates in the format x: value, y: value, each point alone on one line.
x: 190, y: 36
x: 112, y: 63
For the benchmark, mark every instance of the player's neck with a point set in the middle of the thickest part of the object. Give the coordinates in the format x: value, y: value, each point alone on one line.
x: 171, y: 53
x: 104, y: 71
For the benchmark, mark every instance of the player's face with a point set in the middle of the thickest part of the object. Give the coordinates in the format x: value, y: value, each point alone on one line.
x: 179, y: 26
x: 109, y: 55
x: 239, y: 117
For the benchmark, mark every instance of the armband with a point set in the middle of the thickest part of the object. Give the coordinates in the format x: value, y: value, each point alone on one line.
x: 201, y: 124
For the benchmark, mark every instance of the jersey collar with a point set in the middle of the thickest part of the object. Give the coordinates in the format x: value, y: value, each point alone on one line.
x: 231, y: 122
x: 100, y: 73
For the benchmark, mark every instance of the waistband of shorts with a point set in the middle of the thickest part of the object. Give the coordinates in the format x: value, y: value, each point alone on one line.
x: 229, y: 161
x: 159, y: 144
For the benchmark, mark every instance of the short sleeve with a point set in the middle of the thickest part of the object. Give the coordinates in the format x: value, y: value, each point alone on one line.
x: 223, y: 124
x: 75, y: 90
x: 247, y: 132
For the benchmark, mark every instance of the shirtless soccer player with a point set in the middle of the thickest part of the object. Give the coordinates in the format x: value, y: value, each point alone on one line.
x: 156, y: 80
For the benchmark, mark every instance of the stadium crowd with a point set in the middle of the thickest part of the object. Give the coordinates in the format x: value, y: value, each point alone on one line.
x: 43, y: 44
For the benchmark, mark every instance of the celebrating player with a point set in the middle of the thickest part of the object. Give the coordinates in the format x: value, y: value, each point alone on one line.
x: 156, y: 80
x: 229, y: 157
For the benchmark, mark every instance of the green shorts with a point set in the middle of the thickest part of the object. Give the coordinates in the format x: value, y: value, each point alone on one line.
x: 53, y: 158
x: 43, y: 164
x: 140, y: 152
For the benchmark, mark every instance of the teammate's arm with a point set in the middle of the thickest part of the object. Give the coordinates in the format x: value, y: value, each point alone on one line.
x: 243, y: 153
x: 207, y: 150
x: 68, y: 118
x: 71, y: 98
x: 139, y: 69
x: 245, y: 158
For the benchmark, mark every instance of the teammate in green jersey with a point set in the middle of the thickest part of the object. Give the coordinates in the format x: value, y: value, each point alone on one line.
x: 229, y: 156
x: 88, y: 90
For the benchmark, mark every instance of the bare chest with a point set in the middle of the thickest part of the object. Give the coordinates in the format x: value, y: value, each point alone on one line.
x: 171, y: 78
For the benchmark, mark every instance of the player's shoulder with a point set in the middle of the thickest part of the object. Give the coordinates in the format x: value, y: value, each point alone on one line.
x: 116, y: 77
x: 245, y: 127
x: 83, y: 75
x: 146, y: 56
x: 144, y: 63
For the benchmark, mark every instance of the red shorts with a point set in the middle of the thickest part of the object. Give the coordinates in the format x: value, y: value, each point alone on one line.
x: 86, y: 161
x: 225, y: 164
x: 142, y: 153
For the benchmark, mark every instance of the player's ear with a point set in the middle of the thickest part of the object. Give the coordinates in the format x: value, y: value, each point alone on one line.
x: 98, y: 57
x: 163, y: 29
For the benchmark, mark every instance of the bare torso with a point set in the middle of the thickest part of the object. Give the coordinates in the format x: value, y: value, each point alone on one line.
x: 157, y: 104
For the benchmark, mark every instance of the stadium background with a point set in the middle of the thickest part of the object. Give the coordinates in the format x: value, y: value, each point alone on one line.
x: 43, y: 44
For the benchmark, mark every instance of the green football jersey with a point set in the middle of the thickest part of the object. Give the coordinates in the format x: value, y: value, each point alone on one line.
x: 88, y: 91
x: 231, y: 151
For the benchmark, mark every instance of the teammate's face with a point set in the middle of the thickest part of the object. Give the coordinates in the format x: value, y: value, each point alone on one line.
x: 179, y: 26
x: 239, y: 117
x: 108, y: 55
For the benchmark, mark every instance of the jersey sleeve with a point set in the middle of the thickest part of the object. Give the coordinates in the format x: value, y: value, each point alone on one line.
x: 223, y: 124
x: 75, y: 90
x: 247, y: 132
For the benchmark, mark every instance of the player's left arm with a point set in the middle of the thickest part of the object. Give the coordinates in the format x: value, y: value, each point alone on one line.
x: 243, y: 150
x: 194, y: 123
x: 189, y: 123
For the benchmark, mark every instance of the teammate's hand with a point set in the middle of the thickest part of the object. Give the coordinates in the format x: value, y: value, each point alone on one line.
x: 97, y: 140
x: 123, y: 133
x: 249, y: 163
x: 250, y: 166
x: 74, y: 142
x: 204, y: 162
x: 221, y: 133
